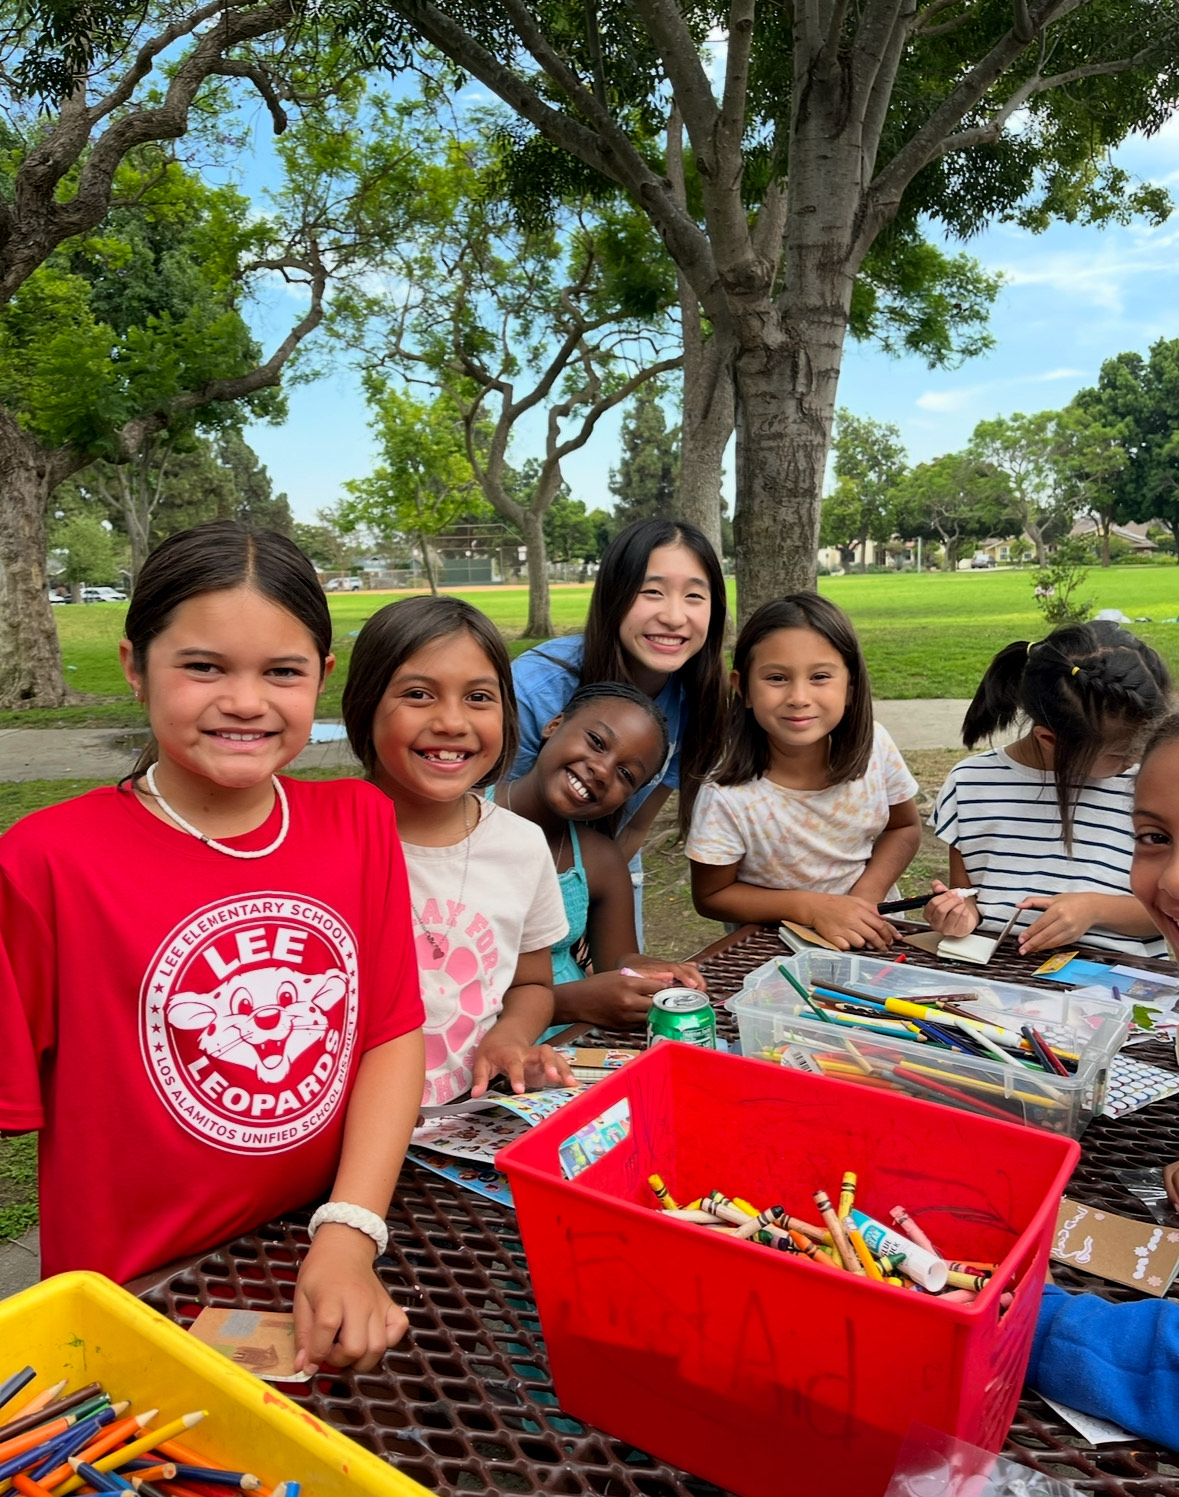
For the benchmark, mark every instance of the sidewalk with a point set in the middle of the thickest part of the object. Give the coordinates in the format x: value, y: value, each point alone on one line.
x: 106, y: 754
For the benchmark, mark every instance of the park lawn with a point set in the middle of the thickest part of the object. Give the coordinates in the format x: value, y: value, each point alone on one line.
x: 924, y: 635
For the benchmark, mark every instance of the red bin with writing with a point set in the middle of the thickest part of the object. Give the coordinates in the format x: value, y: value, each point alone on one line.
x: 753, y: 1368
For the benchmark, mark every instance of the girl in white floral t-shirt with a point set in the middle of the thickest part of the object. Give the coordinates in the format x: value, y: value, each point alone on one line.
x: 811, y: 815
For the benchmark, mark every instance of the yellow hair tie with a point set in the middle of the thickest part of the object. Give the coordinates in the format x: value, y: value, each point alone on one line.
x: 1075, y: 670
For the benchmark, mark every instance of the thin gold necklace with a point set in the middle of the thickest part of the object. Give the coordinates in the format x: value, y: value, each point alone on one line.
x: 435, y: 946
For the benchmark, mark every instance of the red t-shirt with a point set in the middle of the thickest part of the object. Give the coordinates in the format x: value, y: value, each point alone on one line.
x: 184, y: 1027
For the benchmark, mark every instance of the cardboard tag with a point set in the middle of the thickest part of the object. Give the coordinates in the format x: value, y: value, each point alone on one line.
x: 261, y: 1341
x: 1140, y: 1254
x: 806, y: 936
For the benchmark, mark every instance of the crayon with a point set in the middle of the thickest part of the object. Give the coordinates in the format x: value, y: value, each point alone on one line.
x: 912, y: 1231
x: 11, y: 1386
x: 812, y: 1251
x: 764, y: 1221
x: 781, y: 1242
x: 847, y: 1194
x: 925, y: 1269
x: 700, y: 1218
x: 793, y: 1224
x: 838, y: 1236
x: 860, y: 1248
x: 963, y: 1266
x: 967, y: 1280
x: 662, y: 1194
x: 728, y: 1211
x: 958, y: 1296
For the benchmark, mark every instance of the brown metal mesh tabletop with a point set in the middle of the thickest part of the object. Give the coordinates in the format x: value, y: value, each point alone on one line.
x: 466, y: 1404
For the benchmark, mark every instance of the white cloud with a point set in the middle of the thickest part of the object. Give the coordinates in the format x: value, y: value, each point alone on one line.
x: 946, y: 401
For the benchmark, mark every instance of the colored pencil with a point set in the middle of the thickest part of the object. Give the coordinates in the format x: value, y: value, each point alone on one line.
x: 32, y: 1406
x: 948, y: 1091
x: 11, y: 1386
x: 150, y: 1441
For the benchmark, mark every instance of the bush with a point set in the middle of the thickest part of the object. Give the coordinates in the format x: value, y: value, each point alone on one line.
x: 1134, y: 559
x: 1055, y: 585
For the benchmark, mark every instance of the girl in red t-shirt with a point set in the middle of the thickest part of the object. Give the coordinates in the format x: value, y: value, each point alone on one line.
x: 208, y: 1000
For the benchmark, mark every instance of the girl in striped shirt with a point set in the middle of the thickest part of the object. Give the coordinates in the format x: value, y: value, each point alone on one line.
x: 1043, y: 825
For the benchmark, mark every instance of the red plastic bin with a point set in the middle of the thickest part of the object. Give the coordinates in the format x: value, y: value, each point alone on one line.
x: 761, y: 1372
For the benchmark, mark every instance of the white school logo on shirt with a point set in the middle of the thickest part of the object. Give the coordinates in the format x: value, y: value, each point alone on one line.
x: 247, y: 1021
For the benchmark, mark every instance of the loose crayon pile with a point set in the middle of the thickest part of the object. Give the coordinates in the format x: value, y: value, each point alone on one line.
x: 57, y: 1442
x: 849, y: 1241
x: 937, y: 1028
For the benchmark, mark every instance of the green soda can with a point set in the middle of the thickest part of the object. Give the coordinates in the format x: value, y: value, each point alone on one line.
x: 682, y: 1014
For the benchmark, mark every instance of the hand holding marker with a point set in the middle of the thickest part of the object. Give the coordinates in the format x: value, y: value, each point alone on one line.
x: 919, y: 901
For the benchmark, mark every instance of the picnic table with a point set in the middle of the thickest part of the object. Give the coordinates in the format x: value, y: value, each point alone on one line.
x: 465, y: 1404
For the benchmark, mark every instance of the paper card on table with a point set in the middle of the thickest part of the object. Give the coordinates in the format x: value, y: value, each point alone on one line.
x: 595, y: 1064
x: 1095, y: 1431
x: 261, y: 1341
x: 800, y: 938
x: 1141, y: 1254
x: 591, y: 1142
x: 1135, y: 1083
x: 482, y: 1179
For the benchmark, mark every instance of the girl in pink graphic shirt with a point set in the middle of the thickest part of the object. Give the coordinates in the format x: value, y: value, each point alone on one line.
x: 431, y: 714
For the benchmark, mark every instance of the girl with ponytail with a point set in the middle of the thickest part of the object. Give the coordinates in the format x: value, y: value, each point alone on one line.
x: 1043, y: 825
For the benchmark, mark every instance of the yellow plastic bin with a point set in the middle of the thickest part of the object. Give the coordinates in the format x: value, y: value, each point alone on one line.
x: 82, y: 1327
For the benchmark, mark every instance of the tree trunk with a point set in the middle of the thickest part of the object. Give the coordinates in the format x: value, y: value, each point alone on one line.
x: 427, y: 565
x: 1035, y: 534
x: 30, y: 656
x: 540, y: 618
x: 707, y: 423
x: 1105, y: 522
x: 863, y: 551
x: 784, y: 418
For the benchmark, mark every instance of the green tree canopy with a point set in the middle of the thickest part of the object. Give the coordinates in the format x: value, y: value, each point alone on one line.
x: 645, y: 481
x: 953, y: 499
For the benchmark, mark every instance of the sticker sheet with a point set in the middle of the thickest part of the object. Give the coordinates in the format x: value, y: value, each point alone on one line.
x: 483, y: 1179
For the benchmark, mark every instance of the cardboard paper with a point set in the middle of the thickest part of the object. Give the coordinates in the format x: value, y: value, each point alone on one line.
x: 1142, y: 1255
x: 261, y: 1341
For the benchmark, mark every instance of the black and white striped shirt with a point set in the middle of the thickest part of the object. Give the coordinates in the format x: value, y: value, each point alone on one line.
x: 1004, y: 820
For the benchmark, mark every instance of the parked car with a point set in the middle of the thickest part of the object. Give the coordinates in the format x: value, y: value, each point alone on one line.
x: 59, y: 595
x: 980, y: 560
x: 103, y: 595
x: 343, y: 585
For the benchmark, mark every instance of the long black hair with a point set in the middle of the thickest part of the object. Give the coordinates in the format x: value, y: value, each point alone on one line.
x: 1089, y: 684
x: 747, y: 751
x: 619, y: 581
x: 216, y: 557
x: 400, y: 630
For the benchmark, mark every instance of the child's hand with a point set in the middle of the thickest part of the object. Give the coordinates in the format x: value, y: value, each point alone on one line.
x: 850, y: 922
x: 949, y: 913
x: 343, y: 1313
x: 505, y: 1050
x: 611, y: 999
x: 667, y: 974
x: 1066, y: 918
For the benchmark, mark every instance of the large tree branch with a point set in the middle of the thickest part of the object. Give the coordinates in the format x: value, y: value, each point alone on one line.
x: 615, y: 157
x: 239, y: 68
x: 884, y: 195
x: 134, y: 433
x: 685, y: 72
x: 561, y: 450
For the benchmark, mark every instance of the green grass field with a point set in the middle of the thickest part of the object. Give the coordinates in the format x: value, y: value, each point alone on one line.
x: 927, y: 635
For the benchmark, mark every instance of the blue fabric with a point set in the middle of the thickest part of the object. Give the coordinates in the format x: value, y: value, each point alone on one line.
x: 1118, y: 1362
x: 547, y: 676
x: 575, y: 893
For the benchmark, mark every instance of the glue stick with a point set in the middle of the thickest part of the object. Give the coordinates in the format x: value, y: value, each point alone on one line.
x: 930, y: 1272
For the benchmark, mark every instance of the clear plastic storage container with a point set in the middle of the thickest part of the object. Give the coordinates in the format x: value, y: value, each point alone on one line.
x: 777, y: 1025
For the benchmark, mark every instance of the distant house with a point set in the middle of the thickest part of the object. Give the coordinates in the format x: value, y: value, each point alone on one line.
x: 1135, y: 536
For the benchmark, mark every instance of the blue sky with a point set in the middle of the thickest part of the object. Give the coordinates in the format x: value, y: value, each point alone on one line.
x: 1072, y: 297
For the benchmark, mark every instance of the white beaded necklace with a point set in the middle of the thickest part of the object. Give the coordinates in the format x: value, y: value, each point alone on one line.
x: 230, y: 852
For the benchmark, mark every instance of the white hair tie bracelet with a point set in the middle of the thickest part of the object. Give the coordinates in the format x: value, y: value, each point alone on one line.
x: 344, y: 1214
